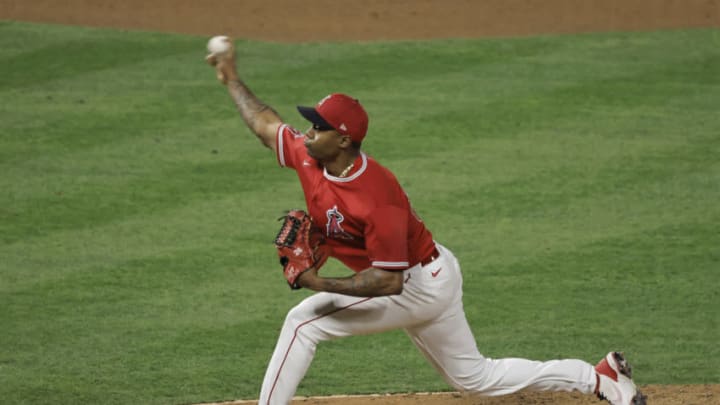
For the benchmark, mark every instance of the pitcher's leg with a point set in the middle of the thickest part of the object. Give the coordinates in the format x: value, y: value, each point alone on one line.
x: 321, y: 317
x: 302, y: 330
x: 510, y: 375
x: 449, y: 345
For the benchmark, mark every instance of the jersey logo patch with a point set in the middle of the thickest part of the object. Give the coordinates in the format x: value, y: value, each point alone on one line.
x: 334, y: 229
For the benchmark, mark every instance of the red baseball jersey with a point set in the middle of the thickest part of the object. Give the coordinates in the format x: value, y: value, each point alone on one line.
x: 366, y: 216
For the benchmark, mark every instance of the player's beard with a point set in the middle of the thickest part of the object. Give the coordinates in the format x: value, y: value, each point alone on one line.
x: 310, y: 152
x: 316, y: 151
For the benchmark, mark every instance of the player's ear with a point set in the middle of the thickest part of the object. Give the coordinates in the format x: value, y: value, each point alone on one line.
x: 345, y: 141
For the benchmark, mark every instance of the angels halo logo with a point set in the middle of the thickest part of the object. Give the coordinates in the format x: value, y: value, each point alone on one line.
x: 334, y: 229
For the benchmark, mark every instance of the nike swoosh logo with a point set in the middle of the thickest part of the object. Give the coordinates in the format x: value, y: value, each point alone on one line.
x: 435, y: 273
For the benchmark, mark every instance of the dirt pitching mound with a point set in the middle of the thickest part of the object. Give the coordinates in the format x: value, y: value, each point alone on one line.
x: 657, y: 395
x: 319, y: 20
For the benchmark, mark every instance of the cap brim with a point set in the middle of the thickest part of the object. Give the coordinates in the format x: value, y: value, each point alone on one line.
x: 311, y: 114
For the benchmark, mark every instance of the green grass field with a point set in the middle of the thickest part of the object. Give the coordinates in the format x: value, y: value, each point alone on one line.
x: 577, y: 178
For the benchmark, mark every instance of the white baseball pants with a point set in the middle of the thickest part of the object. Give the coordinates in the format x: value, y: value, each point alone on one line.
x: 430, y: 310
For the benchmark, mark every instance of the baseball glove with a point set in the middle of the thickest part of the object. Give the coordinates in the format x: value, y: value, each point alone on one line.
x: 299, y: 246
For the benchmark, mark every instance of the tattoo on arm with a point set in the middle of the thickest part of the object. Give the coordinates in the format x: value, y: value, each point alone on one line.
x: 368, y: 283
x: 256, y: 114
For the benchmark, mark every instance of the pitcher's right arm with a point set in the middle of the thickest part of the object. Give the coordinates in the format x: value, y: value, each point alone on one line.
x: 262, y: 119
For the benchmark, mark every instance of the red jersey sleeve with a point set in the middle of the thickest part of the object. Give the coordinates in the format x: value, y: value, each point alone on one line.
x: 290, y: 146
x: 386, y: 238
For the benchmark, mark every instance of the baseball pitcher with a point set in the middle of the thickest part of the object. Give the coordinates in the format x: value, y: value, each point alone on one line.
x: 357, y: 212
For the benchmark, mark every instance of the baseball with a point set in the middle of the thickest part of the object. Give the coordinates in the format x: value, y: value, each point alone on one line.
x: 218, y: 44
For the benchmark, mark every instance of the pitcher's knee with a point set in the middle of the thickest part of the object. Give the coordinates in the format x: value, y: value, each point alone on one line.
x: 297, y: 316
x: 302, y: 322
x: 472, y: 377
x: 474, y: 384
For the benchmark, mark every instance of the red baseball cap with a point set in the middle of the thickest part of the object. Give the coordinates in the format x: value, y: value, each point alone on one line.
x: 341, y: 113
